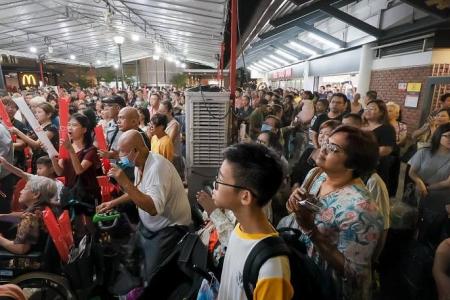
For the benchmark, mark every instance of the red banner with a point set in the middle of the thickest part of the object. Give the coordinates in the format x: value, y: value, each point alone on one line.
x: 101, y: 145
x: 63, y: 122
x: 4, y: 115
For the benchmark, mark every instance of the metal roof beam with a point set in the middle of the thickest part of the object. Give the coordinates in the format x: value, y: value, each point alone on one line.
x: 307, y: 45
x: 310, y: 9
x: 352, y: 21
x: 291, y: 51
x: 322, y: 34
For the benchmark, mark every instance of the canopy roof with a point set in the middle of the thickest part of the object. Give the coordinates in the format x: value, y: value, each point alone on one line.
x: 83, y: 31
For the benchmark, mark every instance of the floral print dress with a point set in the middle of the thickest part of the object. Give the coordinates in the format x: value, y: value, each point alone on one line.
x: 351, y: 221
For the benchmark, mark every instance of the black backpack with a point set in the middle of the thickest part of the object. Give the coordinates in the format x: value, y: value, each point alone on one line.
x: 307, y: 279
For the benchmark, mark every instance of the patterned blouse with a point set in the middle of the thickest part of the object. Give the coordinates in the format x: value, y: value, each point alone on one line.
x: 352, y: 222
x: 30, y: 228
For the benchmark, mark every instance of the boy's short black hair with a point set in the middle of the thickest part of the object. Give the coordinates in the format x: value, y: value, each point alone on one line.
x: 257, y: 168
x: 159, y: 119
x: 44, y: 160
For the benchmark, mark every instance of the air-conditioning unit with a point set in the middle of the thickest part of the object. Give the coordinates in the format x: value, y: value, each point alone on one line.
x: 207, y: 123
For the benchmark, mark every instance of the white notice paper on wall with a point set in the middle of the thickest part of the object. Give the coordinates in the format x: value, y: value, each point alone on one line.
x: 411, y: 100
x: 42, y: 136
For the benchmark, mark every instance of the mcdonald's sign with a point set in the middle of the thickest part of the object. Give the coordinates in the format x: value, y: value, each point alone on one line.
x: 28, y: 80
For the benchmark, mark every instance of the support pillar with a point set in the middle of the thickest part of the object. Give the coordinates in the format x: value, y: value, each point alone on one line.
x: 365, y: 69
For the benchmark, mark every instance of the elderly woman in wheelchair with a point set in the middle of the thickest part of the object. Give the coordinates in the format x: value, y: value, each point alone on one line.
x: 36, y: 195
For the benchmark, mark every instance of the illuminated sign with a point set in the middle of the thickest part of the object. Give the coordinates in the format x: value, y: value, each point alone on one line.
x: 28, y: 79
x: 286, y: 73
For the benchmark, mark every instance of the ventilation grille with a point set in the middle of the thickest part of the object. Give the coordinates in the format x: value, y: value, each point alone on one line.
x: 206, y: 128
x: 413, y: 46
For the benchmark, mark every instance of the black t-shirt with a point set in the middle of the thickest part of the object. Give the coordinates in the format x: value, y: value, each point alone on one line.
x: 19, y: 155
x: 385, y: 135
x: 322, y: 118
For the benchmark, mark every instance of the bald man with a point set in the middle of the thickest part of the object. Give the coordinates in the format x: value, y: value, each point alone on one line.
x: 129, y: 119
x: 159, y: 194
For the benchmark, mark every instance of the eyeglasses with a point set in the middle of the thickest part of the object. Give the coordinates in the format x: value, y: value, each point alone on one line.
x: 332, y: 147
x: 216, y: 183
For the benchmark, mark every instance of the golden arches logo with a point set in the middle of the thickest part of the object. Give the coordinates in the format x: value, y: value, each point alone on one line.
x: 28, y: 79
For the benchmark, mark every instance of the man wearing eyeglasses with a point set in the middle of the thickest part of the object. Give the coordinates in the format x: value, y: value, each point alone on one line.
x: 159, y: 194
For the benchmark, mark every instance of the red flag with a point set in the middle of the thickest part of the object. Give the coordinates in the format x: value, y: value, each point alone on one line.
x: 63, y: 122
x: 4, y: 115
x: 101, y: 144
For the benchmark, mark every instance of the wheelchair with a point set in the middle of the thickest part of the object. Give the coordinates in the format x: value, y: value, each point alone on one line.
x: 36, y: 273
x: 42, y: 275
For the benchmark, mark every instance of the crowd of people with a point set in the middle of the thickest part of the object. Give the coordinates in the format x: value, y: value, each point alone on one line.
x: 317, y: 162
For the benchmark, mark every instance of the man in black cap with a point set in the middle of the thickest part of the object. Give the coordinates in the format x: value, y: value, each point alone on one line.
x: 112, y: 107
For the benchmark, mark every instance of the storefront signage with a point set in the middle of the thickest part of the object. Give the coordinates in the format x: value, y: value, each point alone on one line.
x: 28, y: 80
x: 285, y: 73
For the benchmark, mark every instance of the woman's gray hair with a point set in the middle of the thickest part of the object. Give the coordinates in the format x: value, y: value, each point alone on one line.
x: 46, y: 188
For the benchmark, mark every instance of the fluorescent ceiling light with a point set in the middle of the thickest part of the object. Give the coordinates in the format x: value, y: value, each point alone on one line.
x: 263, y: 68
x: 267, y: 66
x: 135, y: 37
x: 302, y: 48
x: 50, y: 49
x: 98, y: 61
x: 286, y: 55
x: 270, y: 62
x: 281, y: 61
x: 255, y: 68
x: 155, y: 57
x: 116, y: 66
x: 72, y: 57
x: 157, y: 49
x: 33, y: 49
x: 323, y: 40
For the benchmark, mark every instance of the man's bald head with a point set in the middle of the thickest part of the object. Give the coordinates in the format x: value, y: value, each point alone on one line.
x: 128, y: 119
x: 129, y: 140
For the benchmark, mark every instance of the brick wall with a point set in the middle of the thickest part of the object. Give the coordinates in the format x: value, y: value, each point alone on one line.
x: 385, y: 82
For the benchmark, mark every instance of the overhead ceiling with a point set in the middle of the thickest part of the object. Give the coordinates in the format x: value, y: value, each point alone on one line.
x: 299, y: 30
x: 83, y: 31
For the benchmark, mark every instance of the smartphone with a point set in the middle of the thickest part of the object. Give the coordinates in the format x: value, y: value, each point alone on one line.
x: 309, y: 205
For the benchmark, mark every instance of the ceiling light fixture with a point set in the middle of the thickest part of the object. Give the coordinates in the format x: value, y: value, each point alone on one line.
x: 135, y: 37
x: 281, y: 61
x: 119, y: 39
x: 72, y: 57
x: 302, y: 48
x: 286, y: 55
x: 33, y: 49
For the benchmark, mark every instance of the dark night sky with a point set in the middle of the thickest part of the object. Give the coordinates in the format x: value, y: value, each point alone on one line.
x: 246, y: 9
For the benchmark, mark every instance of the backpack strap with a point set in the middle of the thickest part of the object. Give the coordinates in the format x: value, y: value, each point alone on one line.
x: 265, y: 249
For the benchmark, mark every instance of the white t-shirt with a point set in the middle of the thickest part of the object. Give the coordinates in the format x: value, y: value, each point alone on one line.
x: 160, y: 180
x: 380, y: 195
x: 274, y: 276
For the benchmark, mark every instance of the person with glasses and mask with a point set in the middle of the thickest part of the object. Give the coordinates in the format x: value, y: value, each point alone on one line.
x: 159, y: 194
x: 343, y: 231
x: 248, y: 177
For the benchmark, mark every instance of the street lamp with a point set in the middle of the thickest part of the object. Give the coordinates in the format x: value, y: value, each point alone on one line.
x: 119, y: 41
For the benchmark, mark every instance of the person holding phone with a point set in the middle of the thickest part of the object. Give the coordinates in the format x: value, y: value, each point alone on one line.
x: 340, y: 222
